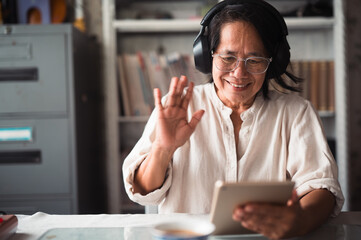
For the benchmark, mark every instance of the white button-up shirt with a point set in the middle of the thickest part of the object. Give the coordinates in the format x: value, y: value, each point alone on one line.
x: 281, y: 139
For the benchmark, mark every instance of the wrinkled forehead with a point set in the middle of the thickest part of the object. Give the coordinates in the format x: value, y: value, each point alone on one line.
x: 240, y: 38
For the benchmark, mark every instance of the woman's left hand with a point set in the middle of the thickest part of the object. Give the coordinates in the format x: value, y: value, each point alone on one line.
x: 272, y: 220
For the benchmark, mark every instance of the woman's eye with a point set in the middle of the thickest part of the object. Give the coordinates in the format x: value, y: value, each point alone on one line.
x: 253, y: 61
x: 228, y: 59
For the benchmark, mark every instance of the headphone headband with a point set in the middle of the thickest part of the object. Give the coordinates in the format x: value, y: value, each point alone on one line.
x: 219, y: 6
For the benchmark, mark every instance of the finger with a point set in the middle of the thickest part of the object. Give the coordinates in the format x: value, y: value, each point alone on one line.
x: 183, y: 82
x: 157, y: 98
x: 188, y: 95
x: 268, y: 219
x: 251, y: 226
x: 247, y: 220
x: 172, y: 99
x: 257, y: 222
x: 238, y: 214
x: 264, y: 212
x: 258, y: 208
x: 197, y: 116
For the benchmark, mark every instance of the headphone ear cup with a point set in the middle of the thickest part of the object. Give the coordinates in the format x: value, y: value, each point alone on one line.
x: 202, y: 54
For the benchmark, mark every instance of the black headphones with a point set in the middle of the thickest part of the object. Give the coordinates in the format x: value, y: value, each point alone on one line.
x: 202, y: 51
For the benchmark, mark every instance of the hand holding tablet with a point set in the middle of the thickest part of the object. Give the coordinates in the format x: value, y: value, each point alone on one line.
x: 227, y: 196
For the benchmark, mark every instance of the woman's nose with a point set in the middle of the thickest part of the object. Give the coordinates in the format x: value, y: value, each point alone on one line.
x: 240, y: 70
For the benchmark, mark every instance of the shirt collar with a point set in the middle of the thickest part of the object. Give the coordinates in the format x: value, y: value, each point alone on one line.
x: 227, y: 110
x: 250, y: 112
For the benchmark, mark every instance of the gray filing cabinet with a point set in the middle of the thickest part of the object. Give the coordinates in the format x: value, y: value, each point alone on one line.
x: 50, y: 111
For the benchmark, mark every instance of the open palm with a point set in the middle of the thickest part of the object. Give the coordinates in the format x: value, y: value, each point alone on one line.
x: 173, y: 128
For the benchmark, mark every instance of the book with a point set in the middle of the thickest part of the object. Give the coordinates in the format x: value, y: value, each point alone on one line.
x: 175, y: 64
x: 295, y: 68
x: 315, y: 83
x: 8, y: 226
x: 331, y: 88
x: 194, y: 74
x: 123, y: 87
x: 133, y: 75
x: 305, y: 74
x: 157, y: 75
x: 145, y: 81
x: 323, y: 86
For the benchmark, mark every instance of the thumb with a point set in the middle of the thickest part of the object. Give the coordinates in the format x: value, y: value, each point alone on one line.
x: 294, y: 198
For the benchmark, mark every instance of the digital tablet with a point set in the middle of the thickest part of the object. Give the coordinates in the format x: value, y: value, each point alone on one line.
x: 227, y: 196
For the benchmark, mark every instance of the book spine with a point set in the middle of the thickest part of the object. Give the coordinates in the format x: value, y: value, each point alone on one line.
x: 323, y: 85
x: 315, y: 83
x: 331, y: 83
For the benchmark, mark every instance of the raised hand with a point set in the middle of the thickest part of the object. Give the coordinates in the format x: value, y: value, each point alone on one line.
x: 173, y: 128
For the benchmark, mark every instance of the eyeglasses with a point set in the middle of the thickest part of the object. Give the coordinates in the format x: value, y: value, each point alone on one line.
x: 228, y: 63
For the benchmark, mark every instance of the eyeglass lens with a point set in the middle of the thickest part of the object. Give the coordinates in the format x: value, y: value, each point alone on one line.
x: 228, y: 63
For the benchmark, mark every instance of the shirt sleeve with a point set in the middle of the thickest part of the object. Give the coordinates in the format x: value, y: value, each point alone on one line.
x: 133, y: 161
x: 310, y: 163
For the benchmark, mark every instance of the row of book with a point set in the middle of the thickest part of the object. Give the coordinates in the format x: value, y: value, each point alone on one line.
x: 318, y: 84
x: 140, y: 73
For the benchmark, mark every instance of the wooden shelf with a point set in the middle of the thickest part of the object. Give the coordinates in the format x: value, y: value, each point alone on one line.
x: 185, y: 25
x: 326, y: 114
x: 173, y: 25
x: 310, y: 23
x: 132, y: 119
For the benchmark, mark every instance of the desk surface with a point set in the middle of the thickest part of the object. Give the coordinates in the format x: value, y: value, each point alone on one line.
x: 346, y: 226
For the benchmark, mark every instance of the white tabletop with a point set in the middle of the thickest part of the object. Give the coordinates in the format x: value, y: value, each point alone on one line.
x: 31, y: 227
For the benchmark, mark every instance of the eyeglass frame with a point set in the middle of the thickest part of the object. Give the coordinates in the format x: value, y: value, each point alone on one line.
x: 239, y: 59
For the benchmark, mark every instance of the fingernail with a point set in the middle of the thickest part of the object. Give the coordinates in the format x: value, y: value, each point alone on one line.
x: 248, y: 208
x: 239, y: 212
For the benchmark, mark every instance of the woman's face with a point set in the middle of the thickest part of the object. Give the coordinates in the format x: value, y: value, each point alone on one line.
x: 237, y: 89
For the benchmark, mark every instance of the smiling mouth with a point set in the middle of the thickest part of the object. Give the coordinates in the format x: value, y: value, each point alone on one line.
x: 238, y: 85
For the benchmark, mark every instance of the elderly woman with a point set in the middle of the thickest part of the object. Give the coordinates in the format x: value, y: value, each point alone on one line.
x: 236, y: 129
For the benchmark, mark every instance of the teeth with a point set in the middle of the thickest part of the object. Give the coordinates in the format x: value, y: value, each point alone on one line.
x: 238, y: 86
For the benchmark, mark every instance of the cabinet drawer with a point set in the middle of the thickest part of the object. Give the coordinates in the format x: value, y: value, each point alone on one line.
x: 28, y: 207
x: 39, y: 164
x: 33, y: 73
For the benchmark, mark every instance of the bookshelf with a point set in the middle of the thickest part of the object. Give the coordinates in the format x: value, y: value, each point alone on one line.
x: 311, y: 39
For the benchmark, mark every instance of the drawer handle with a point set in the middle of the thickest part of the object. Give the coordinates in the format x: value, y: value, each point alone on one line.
x: 20, y: 157
x: 18, y: 74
